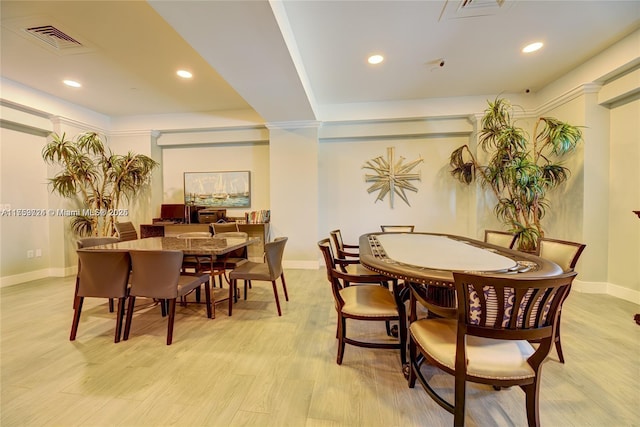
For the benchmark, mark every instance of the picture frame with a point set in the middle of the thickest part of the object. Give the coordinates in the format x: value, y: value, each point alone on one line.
x: 223, y: 189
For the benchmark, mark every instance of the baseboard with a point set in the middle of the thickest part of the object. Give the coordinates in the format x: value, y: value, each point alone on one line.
x: 36, y: 275
x: 300, y: 265
x: 617, y: 291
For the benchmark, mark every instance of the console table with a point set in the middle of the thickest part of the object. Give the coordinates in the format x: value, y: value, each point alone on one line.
x: 255, y: 251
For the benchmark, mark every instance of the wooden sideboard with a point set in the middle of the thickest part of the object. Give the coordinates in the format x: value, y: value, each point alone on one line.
x: 255, y: 251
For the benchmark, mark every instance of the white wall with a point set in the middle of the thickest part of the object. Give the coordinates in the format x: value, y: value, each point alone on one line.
x: 624, y: 188
x: 439, y: 205
x: 217, y: 157
x: 23, y: 186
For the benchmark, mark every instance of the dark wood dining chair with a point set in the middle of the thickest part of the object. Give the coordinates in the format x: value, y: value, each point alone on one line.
x: 397, y: 228
x: 268, y: 271
x: 102, y: 274
x: 566, y: 254
x: 157, y: 274
x: 488, y: 342
x: 500, y: 238
x: 343, y: 250
x: 357, y: 298
x: 126, y: 231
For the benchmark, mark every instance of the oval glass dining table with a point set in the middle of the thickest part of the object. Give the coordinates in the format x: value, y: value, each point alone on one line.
x: 430, y: 259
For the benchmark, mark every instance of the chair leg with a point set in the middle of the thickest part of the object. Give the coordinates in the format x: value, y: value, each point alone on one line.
x: 111, y: 305
x: 163, y: 307
x: 129, y: 317
x: 284, y: 286
x: 557, y: 339
x: 75, y: 293
x: 172, y: 316
x: 532, y: 396
x: 207, y: 296
x: 77, y: 304
x: 275, y: 293
x: 232, y: 286
x: 119, y: 318
x: 342, y: 330
x: 413, y: 361
x: 459, y: 396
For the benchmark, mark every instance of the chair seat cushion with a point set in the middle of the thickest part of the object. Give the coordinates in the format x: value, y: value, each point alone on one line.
x: 486, y: 357
x: 187, y: 283
x: 229, y: 262
x: 361, y: 270
x: 368, y: 301
x: 250, y: 270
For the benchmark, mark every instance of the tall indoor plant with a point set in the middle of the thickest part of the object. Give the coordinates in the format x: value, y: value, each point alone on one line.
x: 520, y: 170
x: 100, y: 179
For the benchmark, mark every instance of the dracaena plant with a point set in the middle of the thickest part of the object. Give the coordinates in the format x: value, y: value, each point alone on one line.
x: 100, y: 179
x: 520, y: 171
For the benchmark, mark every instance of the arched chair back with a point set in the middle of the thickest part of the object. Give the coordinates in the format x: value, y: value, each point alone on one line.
x: 500, y: 238
x: 343, y: 250
x: 397, y: 228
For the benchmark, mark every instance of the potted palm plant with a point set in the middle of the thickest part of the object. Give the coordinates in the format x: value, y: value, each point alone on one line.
x: 519, y: 170
x: 102, y: 180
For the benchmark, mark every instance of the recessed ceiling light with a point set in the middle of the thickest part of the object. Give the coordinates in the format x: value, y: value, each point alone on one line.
x: 71, y: 83
x: 532, y: 47
x: 375, y: 59
x: 184, y: 74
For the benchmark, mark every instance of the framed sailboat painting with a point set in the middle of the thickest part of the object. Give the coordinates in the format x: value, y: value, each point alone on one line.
x: 227, y: 189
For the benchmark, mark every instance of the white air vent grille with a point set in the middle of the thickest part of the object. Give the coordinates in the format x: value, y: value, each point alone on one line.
x: 54, y: 37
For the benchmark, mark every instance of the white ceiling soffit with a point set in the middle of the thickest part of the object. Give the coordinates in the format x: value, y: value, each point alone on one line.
x: 242, y: 41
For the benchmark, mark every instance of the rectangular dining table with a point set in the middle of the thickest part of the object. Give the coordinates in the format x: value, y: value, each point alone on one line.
x: 199, y: 246
x: 211, y: 246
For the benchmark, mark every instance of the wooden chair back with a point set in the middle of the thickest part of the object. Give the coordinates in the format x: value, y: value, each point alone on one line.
x: 126, y: 231
x: 500, y: 238
x: 397, y: 228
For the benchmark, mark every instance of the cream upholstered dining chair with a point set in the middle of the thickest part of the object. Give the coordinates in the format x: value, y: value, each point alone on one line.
x: 156, y: 274
x: 126, y: 231
x: 397, y: 228
x: 87, y: 242
x: 488, y: 342
x: 268, y: 271
x: 500, y: 238
x: 102, y: 274
x: 566, y: 255
x: 343, y: 250
x: 366, y: 300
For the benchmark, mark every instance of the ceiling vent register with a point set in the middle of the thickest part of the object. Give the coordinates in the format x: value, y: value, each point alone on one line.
x: 54, y: 37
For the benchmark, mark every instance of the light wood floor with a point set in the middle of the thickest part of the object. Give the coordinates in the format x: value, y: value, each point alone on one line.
x: 256, y: 369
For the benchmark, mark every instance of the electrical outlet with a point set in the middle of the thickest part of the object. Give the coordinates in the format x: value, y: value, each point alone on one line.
x: 38, y: 252
x: 30, y: 253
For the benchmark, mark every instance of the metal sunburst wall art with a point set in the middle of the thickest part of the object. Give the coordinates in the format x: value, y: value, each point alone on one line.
x: 392, y: 177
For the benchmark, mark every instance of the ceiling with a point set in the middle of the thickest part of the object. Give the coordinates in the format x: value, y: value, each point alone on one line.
x: 284, y: 59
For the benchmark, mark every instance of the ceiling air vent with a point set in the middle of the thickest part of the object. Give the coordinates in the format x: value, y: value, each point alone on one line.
x: 54, y: 37
x: 456, y: 9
